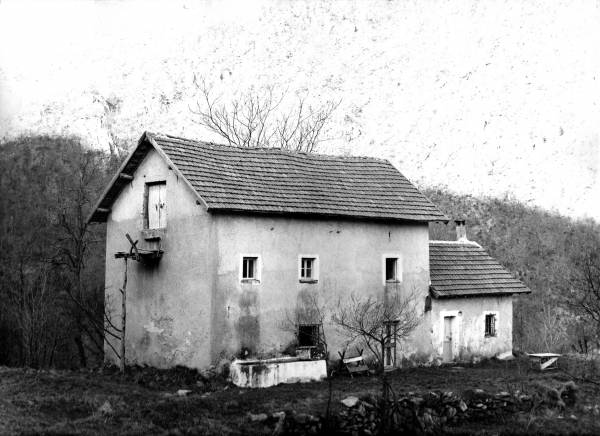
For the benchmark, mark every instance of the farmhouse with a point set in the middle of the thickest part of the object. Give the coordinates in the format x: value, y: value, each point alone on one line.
x: 233, y: 240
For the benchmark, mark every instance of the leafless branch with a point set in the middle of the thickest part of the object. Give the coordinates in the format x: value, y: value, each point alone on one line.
x: 377, y: 321
x: 250, y: 120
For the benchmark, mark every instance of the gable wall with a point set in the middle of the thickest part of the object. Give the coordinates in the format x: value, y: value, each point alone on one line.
x: 169, y: 305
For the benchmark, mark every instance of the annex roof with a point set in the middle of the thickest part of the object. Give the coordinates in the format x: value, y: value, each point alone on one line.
x: 463, y: 269
x: 275, y: 181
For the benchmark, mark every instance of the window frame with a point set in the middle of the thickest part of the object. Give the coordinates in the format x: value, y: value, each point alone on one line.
x: 257, y: 268
x: 494, y: 332
x: 398, y: 267
x: 314, y: 270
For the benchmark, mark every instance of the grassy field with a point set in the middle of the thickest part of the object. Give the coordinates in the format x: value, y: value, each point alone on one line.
x: 146, y: 402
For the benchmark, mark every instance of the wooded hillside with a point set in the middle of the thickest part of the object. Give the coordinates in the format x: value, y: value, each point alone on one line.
x: 543, y: 249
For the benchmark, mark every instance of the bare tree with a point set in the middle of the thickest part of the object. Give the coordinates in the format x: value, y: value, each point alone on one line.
x: 257, y: 119
x: 553, y: 320
x: 377, y: 322
x: 77, y: 242
x: 36, y: 316
x: 585, y: 293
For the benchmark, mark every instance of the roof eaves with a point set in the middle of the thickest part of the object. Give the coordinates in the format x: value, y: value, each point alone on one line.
x: 467, y: 242
x: 442, y: 295
x: 341, y: 216
x: 113, y: 181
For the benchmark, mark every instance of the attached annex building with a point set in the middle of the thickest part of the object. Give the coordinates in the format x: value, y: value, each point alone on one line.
x: 246, y: 235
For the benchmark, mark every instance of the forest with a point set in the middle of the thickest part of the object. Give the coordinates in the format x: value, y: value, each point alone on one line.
x: 52, y: 260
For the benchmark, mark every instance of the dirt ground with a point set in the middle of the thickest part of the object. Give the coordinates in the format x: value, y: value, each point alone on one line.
x: 102, y: 402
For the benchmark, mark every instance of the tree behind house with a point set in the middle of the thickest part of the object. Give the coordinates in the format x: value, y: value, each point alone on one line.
x: 263, y: 118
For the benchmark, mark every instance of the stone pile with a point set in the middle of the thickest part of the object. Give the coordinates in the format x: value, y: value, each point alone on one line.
x: 418, y: 414
x: 429, y: 413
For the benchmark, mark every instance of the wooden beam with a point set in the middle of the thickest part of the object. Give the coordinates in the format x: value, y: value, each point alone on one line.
x: 102, y: 210
x: 125, y: 176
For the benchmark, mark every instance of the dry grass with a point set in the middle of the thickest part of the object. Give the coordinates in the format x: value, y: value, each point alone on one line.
x: 56, y: 402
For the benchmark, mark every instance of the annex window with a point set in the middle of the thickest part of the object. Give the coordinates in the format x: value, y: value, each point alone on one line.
x: 308, y: 268
x: 155, y: 205
x: 308, y: 335
x: 490, y: 324
x: 391, y: 269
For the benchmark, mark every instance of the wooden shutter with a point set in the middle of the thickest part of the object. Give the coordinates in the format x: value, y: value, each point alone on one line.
x: 157, y: 206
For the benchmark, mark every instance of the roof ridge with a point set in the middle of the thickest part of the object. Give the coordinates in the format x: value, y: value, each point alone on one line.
x: 270, y: 149
x: 455, y: 243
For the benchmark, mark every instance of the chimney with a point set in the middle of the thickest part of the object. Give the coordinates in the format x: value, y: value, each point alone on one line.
x: 461, y: 231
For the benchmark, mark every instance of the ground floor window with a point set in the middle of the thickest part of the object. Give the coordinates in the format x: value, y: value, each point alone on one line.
x: 391, y: 269
x: 490, y: 325
x: 308, y: 335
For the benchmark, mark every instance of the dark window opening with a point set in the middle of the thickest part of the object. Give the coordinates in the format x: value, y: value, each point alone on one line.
x: 490, y: 325
x: 308, y: 335
x: 307, y: 268
x: 427, y: 303
x: 391, y: 269
x: 249, y: 267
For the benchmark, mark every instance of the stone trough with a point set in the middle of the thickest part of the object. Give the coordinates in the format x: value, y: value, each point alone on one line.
x: 262, y: 373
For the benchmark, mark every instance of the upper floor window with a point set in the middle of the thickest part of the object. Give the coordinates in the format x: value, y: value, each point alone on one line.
x: 490, y: 324
x: 391, y: 269
x: 250, y: 268
x: 155, y: 205
x: 309, y: 268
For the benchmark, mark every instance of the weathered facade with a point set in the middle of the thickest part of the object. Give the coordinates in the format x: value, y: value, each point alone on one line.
x: 248, y: 236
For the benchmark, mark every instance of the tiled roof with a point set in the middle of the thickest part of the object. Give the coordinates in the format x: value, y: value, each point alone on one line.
x: 460, y: 269
x: 274, y: 181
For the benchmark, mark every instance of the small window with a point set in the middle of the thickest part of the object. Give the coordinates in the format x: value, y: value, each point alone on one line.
x: 391, y: 269
x: 308, y: 265
x: 490, y: 325
x: 308, y: 335
x: 307, y: 268
x: 250, y: 268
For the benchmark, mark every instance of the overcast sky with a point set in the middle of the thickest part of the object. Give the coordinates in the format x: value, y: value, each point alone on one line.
x: 486, y: 97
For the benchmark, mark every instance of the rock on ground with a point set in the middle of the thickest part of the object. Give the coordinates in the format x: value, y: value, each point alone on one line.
x: 350, y: 401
